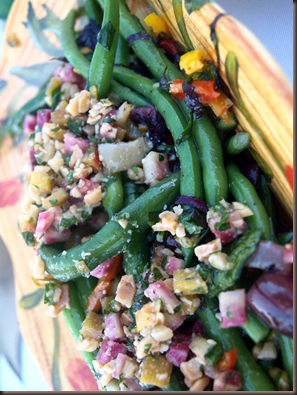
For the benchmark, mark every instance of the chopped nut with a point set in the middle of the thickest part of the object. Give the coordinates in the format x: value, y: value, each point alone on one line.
x: 126, y: 291
x: 93, y: 197
x: 76, y: 155
x: 84, y: 101
x: 191, y: 370
x: 161, y: 333
x: 202, y: 252
x: 72, y: 107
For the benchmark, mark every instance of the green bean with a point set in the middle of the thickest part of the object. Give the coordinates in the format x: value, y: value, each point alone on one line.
x: 132, y: 192
x: 121, y: 57
x: 128, y: 95
x: 93, y: 11
x: 227, y: 127
x: 252, y: 376
x: 136, y: 258
x: 191, y: 183
x: 256, y: 329
x: 237, y: 143
x: 112, y: 239
x: 266, y: 198
x: 85, y: 287
x: 244, y: 192
x: 287, y: 347
x: 114, y: 196
x: 31, y: 107
x: 70, y: 48
x: 213, y: 170
x: 74, y: 318
x: 285, y: 238
x: 104, y: 55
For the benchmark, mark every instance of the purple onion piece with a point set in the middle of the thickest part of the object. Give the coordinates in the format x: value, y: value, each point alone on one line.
x: 271, y: 298
x: 267, y: 256
x: 251, y: 171
x: 193, y: 202
x: 192, y: 100
x: 172, y: 242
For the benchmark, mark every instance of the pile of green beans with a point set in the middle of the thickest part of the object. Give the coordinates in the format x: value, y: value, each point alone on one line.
x: 204, y: 175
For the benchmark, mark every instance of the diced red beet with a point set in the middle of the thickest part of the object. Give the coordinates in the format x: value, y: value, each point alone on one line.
x: 155, y: 167
x: 228, y: 380
x: 174, y: 321
x: 119, y: 365
x: 237, y: 227
x: 158, y: 290
x: 86, y: 185
x: 174, y: 264
x: 43, y: 116
x: 29, y: 124
x: 109, y: 351
x: 70, y: 141
x: 57, y: 211
x: 44, y: 222
x: 131, y: 385
x: 232, y: 308
x: 199, y: 328
x: 52, y: 235
x: 179, y: 349
x: 103, y: 269
x: 114, y: 327
x: 67, y: 74
x: 32, y: 157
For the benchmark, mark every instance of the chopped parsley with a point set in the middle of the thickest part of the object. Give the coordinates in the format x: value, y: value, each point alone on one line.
x: 75, y: 127
x: 53, y: 201
x: 69, y: 177
x: 157, y: 274
x: 147, y: 348
x: 31, y: 219
x: 229, y: 314
x: 67, y: 222
x: 55, y: 129
x: 108, y: 120
x: 135, y: 169
x: 161, y: 158
x: 67, y: 159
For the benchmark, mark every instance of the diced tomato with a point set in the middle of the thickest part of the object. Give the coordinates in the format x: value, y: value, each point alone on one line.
x: 289, y: 174
x: 169, y: 45
x: 176, y: 89
x: 205, y: 91
x: 228, y: 360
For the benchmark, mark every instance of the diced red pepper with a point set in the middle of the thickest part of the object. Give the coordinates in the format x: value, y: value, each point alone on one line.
x: 205, y: 91
x: 169, y: 45
x: 228, y: 360
x: 176, y: 89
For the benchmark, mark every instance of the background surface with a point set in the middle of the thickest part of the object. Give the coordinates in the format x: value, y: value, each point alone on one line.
x: 272, y: 22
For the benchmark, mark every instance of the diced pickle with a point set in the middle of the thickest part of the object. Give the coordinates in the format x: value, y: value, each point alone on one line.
x: 56, y: 199
x: 92, y: 327
x: 188, y: 282
x: 41, y: 182
x: 156, y: 372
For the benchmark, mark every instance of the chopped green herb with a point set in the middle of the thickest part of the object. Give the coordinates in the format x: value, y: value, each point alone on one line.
x: 229, y: 314
x: 93, y: 139
x: 55, y: 129
x: 67, y: 222
x: 60, y: 173
x: 39, y: 161
x: 161, y: 158
x: 86, y: 215
x: 121, y: 378
x: 35, y: 186
x: 135, y: 169
x: 53, y: 201
x: 31, y: 219
x: 108, y: 120
x: 132, y: 327
x: 56, y: 96
x: 157, y: 274
x: 178, y: 308
x: 89, y: 150
x: 199, y: 290
x: 154, y: 357
x: 49, y: 291
x: 67, y: 159
x: 69, y: 177
x: 189, y: 278
x: 147, y: 348
x: 29, y: 238
x: 111, y: 305
x: 222, y: 226
x: 179, y: 341
x: 75, y: 127
x: 31, y: 136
